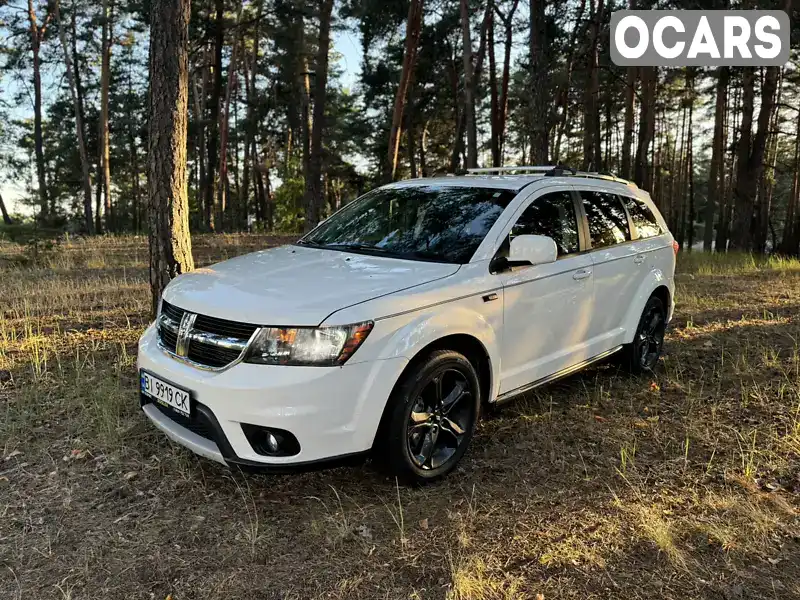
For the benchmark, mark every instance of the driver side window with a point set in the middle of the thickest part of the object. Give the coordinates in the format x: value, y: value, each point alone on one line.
x: 552, y: 215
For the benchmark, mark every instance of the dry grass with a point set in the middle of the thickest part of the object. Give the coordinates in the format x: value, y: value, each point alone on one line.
x: 685, y: 485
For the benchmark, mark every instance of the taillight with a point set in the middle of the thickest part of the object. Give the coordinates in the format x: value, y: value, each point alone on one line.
x: 675, y: 247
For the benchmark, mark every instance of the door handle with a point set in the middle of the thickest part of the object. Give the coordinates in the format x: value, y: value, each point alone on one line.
x: 582, y: 274
x: 638, y: 259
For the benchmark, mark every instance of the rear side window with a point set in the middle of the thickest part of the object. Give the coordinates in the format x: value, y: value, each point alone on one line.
x: 552, y: 215
x: 644, y: 221
x: 608, y: 223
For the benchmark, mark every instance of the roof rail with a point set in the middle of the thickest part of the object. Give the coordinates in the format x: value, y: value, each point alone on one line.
x: 548, y: 170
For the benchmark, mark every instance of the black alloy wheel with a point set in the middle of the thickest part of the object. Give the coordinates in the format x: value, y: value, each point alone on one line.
x: 439, y: 419
x: 648, y: 343
x: 430, y: 418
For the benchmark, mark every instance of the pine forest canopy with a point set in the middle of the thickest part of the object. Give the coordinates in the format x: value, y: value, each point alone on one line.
x: 275, y: 140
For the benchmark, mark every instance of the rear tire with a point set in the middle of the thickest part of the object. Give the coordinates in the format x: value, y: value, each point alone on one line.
x: 429, y: 419
x: 642, y: 354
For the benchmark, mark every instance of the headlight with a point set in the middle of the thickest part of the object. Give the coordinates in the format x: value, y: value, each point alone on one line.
x: 310, y: 346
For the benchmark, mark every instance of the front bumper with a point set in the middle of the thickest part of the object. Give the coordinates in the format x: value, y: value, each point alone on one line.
x: 333, y: 412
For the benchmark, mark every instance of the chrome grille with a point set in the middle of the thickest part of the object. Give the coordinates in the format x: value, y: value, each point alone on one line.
x: 202, y: 340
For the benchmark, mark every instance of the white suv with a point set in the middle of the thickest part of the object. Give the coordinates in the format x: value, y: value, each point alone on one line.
x: 392, y: 324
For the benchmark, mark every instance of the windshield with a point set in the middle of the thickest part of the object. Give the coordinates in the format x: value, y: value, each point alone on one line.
x: 427, y: 222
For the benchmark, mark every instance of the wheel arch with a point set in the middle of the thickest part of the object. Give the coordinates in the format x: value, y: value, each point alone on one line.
x: 654, y: 285
x: 464, y: 343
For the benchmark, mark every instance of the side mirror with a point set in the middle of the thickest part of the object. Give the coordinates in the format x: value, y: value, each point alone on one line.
x: 532, y: 249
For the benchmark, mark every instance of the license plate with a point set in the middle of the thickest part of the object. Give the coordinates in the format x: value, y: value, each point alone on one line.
x: 165, y: 393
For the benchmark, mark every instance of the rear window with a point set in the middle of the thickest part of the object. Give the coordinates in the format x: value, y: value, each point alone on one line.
x: 644, y: 221
x: 608, y: 223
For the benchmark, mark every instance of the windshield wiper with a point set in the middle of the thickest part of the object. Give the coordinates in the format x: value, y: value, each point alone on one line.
x: 412, y: 254
x: 310, y: 244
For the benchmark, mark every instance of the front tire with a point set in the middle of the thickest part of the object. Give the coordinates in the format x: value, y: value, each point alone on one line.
x: 642, y: 354
x: 430, y: 418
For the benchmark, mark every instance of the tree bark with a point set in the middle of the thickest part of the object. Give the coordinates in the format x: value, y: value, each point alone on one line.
x: 688, y: 218
x: 6, y: 219
x: 213, y: 121
x: 641, y: 171
x: 767, y: 181
x: 790, y: 242
x: 105, y: 78
x: 716, y: 174
x: 37, y: 33
x: 750, y: 154
x: 562, y: 99
x: 469, y: 88
x: 413, y: 29
x: 591, y: 111
x: 461, y: 122
x: 723, y: 227
x: 168, y: 206
x: 494, y: 100
x: 79, y: 131
x: 314, y: 194
x: 630, y: 130
x: 224, y: 118
x: 539, y: 86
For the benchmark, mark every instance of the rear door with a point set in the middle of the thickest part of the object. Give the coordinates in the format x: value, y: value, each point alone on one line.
x: 615, y: 261
x: 547, y: 308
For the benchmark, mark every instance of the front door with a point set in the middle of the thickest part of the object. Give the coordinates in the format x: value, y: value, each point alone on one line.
x: 547, y: 308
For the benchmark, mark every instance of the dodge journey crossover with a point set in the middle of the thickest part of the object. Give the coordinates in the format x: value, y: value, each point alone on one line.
x: 393, y: 324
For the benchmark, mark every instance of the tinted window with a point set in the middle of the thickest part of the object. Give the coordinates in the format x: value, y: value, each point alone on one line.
x: 427, y: 222
x: 552, y: 215
x: 608, y: 223
x: 643, y: 219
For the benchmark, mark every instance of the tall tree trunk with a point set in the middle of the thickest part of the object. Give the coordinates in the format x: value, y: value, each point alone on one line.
x: 137, y: 210
x: 716, y: 175
x: 79, y: 131
x: 562, y: 99
x: 751, y: 154
x: 98, y: 201
x: 461, y: 121
x: 423, y: 150
x: 105, y: 79
x: 494, y: 105
x: 539, y: 83
x: 413, y: 29
x: 213, y: 121
x: 689, y: 217
x: 198, y: 104
x: 224, y: 118
x: 767, y: 182
x: 167, y: 202
x: 723, y: 228
x: 6, y: 219
x: 790, y: 242
x: 469, y: 88
x: 305, y: 109
x: 641, y: 170
x: 591, y: 104
x: 411, y: 133
x: 314, y: 195
x: 630, y: 107
x: 508, y: 23
x: 37, y: 35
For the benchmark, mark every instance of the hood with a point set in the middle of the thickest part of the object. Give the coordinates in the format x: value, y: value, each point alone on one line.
x: 294, y: 285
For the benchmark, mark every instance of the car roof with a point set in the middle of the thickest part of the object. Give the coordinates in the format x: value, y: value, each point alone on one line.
x: 517, y: 182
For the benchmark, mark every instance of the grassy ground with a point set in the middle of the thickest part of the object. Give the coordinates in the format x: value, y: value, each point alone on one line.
x: 683, y: 485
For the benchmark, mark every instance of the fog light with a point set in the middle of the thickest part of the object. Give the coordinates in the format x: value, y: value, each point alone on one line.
x: 272, y: 442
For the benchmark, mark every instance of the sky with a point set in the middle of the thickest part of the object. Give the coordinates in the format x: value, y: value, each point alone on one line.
x: 345, y: 43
